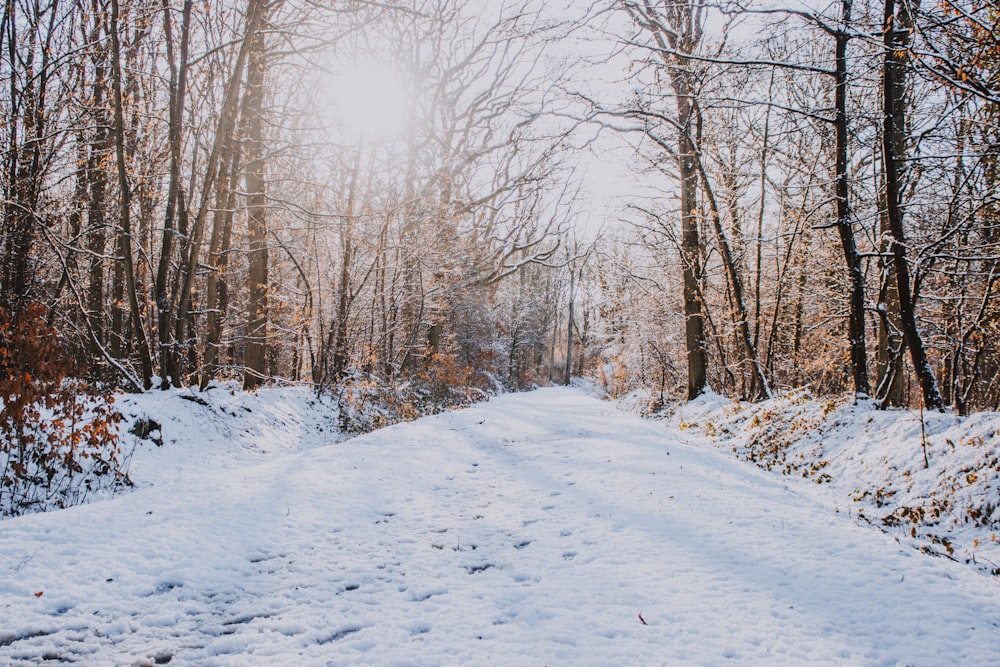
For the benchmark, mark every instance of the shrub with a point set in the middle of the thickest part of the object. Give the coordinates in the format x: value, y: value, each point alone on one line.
x: 442, y: 382
x: 367, y: 404
x: 58, y: 440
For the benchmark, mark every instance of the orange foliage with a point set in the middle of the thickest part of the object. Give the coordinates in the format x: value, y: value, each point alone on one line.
x: 57, y: 433
x: 614, y: 377
x: 445, y: 382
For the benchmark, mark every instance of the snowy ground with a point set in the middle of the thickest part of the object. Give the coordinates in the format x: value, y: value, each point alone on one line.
x: 931, y: 480
x: 544, y: 528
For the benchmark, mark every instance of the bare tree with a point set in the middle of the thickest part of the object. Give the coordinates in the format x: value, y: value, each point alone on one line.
x: 896, y: 42
x: 125, y: 238
x: 677, y: 29
x: 842, y: 35
x: 175, y: 214
x: 255, y: 359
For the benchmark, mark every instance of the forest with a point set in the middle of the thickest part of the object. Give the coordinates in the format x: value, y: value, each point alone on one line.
x: 413, y: 203
x: 716, y: 284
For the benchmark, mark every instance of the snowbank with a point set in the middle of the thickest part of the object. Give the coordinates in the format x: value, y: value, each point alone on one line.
x: 223, y: 425
x: 932, y: 480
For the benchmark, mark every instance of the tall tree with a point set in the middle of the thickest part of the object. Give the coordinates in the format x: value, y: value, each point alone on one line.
x: 896, y: 42
x: 255, y: 358
x: 175, y: 213
x: 842, y: 35
x: 125, y: 239
x: 677, y: 28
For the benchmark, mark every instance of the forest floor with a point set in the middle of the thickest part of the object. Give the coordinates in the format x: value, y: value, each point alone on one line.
x: 544, y: 528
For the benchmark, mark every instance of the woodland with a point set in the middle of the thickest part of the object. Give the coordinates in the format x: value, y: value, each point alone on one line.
x: 408, y: 204
x: 237, y: 237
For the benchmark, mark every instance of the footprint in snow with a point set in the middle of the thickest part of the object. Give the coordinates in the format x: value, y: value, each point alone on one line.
x: 476, y: 569
x: 339, y: 634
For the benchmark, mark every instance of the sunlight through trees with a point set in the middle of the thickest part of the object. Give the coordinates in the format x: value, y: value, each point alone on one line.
x: 382, y: 199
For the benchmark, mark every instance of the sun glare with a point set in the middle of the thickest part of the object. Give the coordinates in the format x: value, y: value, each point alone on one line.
x: 371, y: 99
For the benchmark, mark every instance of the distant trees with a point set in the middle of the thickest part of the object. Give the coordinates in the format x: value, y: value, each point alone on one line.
x: 427, y: 223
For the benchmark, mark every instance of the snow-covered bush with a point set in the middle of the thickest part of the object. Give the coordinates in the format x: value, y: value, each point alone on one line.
x: 58, y: 440
x: 367, y: 403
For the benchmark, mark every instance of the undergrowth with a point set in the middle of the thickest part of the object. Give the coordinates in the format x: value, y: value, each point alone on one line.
x: 367, y: 402
x: 58, y: 436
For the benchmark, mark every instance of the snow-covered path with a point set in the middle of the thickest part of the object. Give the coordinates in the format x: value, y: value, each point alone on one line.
x: 538, y: 529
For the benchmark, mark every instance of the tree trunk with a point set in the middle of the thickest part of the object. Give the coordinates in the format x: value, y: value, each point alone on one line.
x: 855, y: 270
x: 255, y: 359
x: 97, y: 179
x: 216, y: 289
x: 761, y: 210
x: 896, y: 50
x: 890, y: 360
x: 569, y: 328
x: 175, y: 204
x: 890, y: 363
x: 125, y: 237
x: 694, y: 328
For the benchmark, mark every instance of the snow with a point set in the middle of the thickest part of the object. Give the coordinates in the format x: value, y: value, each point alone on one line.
x: 545, y: 528
x: 870, y: 463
